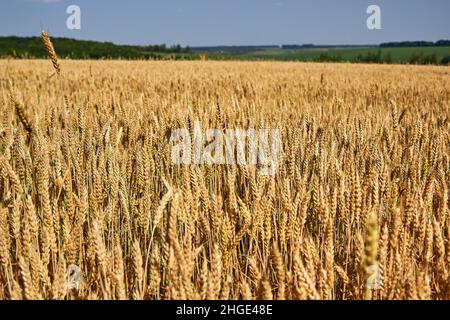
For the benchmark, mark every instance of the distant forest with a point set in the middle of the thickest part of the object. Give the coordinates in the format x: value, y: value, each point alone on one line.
x: 412, y: 44
x: 402, y: 44
x: 32, y: 47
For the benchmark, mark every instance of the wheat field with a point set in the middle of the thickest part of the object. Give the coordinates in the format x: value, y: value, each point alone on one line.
x: 358, y: 209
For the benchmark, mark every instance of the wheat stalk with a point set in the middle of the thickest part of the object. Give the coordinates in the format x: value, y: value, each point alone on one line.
x: 51, y: 51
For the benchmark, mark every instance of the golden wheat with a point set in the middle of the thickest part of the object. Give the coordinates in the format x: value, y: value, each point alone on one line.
x: 361, y: 188
x: 51, y: 51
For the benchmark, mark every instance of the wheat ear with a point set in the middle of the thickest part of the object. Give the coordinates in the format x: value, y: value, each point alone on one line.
x: 51, y: 51
x: 20, y: 112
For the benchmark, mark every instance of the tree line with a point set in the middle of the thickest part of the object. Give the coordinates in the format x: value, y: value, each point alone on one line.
x: 440, y: 43
x: 31, y: 47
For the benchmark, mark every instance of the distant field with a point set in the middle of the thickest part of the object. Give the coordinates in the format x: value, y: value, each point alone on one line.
x: 398, y: 55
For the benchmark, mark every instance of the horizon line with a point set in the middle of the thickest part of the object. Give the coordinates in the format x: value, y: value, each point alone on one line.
x: 232, y: 45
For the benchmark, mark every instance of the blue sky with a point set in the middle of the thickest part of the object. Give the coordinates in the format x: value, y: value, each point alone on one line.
x: 230, y: 22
